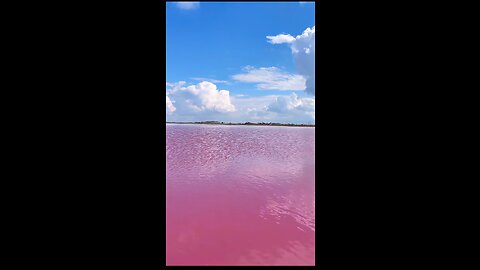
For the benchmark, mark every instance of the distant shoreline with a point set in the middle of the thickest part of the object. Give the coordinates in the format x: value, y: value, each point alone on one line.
x: 243, y: 124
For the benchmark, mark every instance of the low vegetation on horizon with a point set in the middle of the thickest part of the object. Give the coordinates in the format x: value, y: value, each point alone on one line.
x: 245, y: 124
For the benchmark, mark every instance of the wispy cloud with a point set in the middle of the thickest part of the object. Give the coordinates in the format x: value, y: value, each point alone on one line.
x: 188, y: 5
x: 282, y: 38
x: 271, y: 78
x: 209, y: 80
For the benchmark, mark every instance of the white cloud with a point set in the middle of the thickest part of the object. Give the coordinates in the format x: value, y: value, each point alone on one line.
x: 209, y: 80
x: 248, y: 103
x: 203, y: 102
x: 170, y: 106
x: 303, y: 50
x: 278, y: 39
x: 271, y: 78
x: 293, y: 105
x: 198, y: 98
x: 175, y: 86
x: 267, y: 108
x: 188, y: 5
x: 275, y: 108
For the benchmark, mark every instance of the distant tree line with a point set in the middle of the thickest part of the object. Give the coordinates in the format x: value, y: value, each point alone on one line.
x: 246, y: 123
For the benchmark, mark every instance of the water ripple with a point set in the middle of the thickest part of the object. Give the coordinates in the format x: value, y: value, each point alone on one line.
x: 240, y: 195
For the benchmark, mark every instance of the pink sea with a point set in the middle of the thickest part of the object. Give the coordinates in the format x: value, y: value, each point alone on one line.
x: 240, y: 195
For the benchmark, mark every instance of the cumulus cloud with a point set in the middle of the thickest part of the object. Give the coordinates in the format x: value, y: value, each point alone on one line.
x: 303, y: 50
x: 271, y: 78
x: 188, y: 5
x: 189, y: 106
x: 275, y: 108
x: 293, y: 105
x: 170, y: 106
x: 197, y: 98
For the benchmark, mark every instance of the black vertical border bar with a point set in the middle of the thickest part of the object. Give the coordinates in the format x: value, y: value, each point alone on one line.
x: 317, y: 127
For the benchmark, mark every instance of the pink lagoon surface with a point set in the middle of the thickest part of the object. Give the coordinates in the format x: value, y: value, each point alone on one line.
x: 240, y: 195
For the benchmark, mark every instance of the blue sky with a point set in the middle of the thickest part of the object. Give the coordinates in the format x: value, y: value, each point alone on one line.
x: 221, y: 65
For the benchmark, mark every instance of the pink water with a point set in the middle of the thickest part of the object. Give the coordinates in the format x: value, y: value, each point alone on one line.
x: 240, y: 195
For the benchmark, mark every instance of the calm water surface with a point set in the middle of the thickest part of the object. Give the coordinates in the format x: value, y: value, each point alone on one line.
x: 240, y: 195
